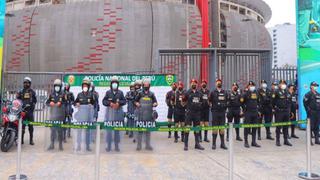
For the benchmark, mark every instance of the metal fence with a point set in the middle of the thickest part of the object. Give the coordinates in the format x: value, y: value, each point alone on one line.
x: 230, y: 65
x: 287, y: 73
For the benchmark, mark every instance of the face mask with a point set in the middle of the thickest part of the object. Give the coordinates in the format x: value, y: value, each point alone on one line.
x: 57, y: 88
x: 194, y: 86
x: 114, y: 86
x: 204, y: 86
x: 85, y: 89
x: 315, y: 88
x: 252, y: 88
x: 146, y: 88
x: 276, y: 87
x: 264, y: 86
x: 283, y: 87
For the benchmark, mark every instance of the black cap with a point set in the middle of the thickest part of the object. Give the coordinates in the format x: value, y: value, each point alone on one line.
x: 235, y: 84
x: 263, y: 81
x: 314, y: 84
x: 251, y: 83
x: 282, y: 81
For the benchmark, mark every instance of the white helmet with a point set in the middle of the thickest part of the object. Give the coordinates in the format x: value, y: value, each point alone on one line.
x: 57, y: 82
x: 27, y: 79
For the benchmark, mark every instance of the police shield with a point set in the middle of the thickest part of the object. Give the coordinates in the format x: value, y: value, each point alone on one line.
x: 82, y: 137
x: 54, y: 134
x: 113, y: 118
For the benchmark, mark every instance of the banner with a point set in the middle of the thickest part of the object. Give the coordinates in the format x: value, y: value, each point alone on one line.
x: 308, y: 31
x: 2, y: 16
x: 160, y: 85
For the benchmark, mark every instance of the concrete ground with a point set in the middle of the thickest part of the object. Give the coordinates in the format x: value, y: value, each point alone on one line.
x: 167, y: 161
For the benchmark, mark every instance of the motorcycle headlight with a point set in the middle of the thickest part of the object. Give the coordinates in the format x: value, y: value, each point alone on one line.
x: 12, y: 117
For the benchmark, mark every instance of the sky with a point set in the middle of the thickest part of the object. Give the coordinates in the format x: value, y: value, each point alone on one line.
x: 282, y: 11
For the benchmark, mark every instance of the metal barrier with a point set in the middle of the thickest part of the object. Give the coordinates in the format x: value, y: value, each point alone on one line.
x: 287, y: 73
x: 231, y: 65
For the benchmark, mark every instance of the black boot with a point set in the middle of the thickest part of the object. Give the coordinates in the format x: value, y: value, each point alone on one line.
x: 197, y: 139
x: 169, y: 134
x: 31, y: 139
x: 278, y: 141
x: 259, y: 134
x: 269, y: 137
x: 186, y: 141
x: 286, y: 142
x: 246, y: 132
x: 238, y: 135
x: 222, y: 146
x: 182, y: 136
x: 22, y: 137
x: 214, y: 139
x: 293, y: 135
x: 317, y: 139
x: 175, y: 137
x: 254, y: 143
x: 200, y: 136
x: 206, y: 136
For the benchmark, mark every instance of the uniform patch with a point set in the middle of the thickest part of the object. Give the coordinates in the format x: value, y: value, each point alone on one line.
x: 26, y: 95
x: 254, y: 96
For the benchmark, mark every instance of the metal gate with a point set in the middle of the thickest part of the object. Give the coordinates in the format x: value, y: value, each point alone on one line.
x: 287, y: 73
x: 231, y: 65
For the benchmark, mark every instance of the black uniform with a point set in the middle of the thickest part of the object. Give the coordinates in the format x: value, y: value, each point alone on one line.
x: 69, y: 109
x: 179, y: 111
x: 234, y: 109
x: 28, y: 97
x: 130, y: 110
x: 250, y: 106
x: 311, y: 103
x: 179, y: 107
x: 281, y: 105
x: 169, y: 99
x: 55, y: 98
x: 219, y: 101
x: 85, y: 98
x: 265, y: 97
x: 293, y: 110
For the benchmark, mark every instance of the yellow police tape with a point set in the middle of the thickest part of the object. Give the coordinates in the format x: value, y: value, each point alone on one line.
x: 59, y: 124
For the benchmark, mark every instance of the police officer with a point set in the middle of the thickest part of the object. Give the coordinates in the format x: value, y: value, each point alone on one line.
x: 130, y: 95
x: 250, y: 106
x: 57, y: 99
x: 69, y: 109
x: 114, y: 100
x: 219, y: 101
x: 293, y: 107
x: 85, y: 98
x: 96, y: 105
x: 205, y: 109
x: 281, y: 105
x: 311, y: 102
x: 179, y: 110
x: 194, y: 101
x: 169, y: 102
x: 138, y: 85
x: 265, y: 97
x: 145, y: 101
x: 234, y: 109
x: 29, y: 100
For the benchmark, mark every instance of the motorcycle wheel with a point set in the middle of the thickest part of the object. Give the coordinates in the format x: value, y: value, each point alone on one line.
x: 7, y: 141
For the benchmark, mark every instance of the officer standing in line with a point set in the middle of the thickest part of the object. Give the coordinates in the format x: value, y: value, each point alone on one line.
x: 234, y: 109
x: 179, y: 110
x: 130, y: 108
x: 311, y: 102
x: 85, y: 97
x: 250, y: 106
x: 69, y: 109
x: 281, y: 105
x: 265, y: 97
x: 137, y: 84
x: 293, y: 107
x: 96, y: 105
x: 57, y: 101
x: 29, y: 99
x: 205, y: 109
x: 169, y: 102
x: 219, y: 103
x: 194, y: 104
